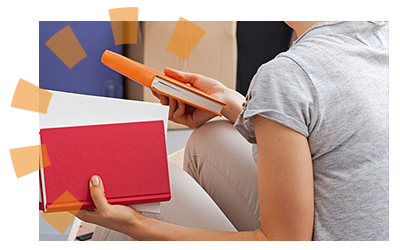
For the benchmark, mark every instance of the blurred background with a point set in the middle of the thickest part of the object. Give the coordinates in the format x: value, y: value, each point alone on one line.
x: 230, y: 52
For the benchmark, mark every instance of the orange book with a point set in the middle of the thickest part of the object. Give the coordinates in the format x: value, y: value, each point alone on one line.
x: 161, y: 83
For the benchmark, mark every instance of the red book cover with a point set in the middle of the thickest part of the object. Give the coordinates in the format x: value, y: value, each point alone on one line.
x: 130, y: 158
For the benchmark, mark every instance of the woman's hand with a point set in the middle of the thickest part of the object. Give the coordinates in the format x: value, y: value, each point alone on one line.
x: 116, y: 217
x: 193, y: 117
x: 128, y: 221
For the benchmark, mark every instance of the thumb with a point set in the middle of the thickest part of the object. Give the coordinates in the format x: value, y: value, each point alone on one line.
x: 97, y: 193
x: 182, y: 76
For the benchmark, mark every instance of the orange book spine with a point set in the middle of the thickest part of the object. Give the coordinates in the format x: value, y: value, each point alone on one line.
x: 129, y: 68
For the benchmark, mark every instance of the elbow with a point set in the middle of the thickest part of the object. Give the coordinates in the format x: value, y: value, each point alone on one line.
x: 260, y: 235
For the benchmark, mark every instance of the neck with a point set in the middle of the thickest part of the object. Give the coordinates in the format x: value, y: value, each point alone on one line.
x: 302, y: 26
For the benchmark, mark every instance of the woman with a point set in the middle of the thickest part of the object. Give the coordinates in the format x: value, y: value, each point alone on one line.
x: 317, y: 119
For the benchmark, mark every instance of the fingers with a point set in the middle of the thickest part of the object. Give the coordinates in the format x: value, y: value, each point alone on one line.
x: 155, y: 95
x: 88, y: 216
x: 177, y: 111
x: 182, y: 76
x: 97, y: 193
x: 102, y: 209
x: 172, y: 107
x: 163, y: 99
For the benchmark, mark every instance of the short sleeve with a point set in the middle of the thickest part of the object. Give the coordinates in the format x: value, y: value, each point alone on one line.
x: 280, y: 91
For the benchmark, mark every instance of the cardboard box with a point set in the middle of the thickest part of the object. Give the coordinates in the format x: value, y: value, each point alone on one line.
x: 133, y: 90
x: 214, y: 56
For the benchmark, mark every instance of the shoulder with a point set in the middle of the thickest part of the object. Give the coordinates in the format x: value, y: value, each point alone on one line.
x: 283, y: 73
x: 281, y: 68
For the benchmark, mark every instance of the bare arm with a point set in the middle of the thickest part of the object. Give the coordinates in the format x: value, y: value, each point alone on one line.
x: 285, y: 191
x: 285, y: 182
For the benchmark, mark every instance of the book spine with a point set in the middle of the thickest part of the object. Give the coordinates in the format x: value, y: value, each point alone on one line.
x: 41, y: 203
x: 73, y: 206
x: 129, y: 68
x: 141, y: 199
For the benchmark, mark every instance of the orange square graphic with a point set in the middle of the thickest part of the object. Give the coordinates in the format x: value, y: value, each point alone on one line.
x: 67, y: 47
x: 125, y: 32
x: 185, y: 38
x: 44, y: 160
x: 30, y: 97
x: 25, y: 160
x: 124, y: 14
x: 124, y: 24
x: 44, y: 100
x: 26, y: 96
x: 60, y: 220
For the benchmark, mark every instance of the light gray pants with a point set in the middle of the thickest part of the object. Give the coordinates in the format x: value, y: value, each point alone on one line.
x: 217, y: 190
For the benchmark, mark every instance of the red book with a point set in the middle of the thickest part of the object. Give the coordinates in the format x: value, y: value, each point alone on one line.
x: 130, y: 158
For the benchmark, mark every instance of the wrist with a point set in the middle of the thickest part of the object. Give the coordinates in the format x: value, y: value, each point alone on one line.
x: 146, y: 228
x: 136, y: 225
x: 233, y: 101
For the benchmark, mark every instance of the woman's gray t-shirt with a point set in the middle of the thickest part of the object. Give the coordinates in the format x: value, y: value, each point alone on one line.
x: 332, y: 87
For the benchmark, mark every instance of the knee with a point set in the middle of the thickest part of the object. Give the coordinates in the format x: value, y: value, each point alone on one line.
x: 206, y: 139
x: 207, y: 135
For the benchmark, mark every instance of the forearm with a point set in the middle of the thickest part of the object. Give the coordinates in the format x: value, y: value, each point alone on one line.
x: 234, y: 101
x: 150, y: 229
